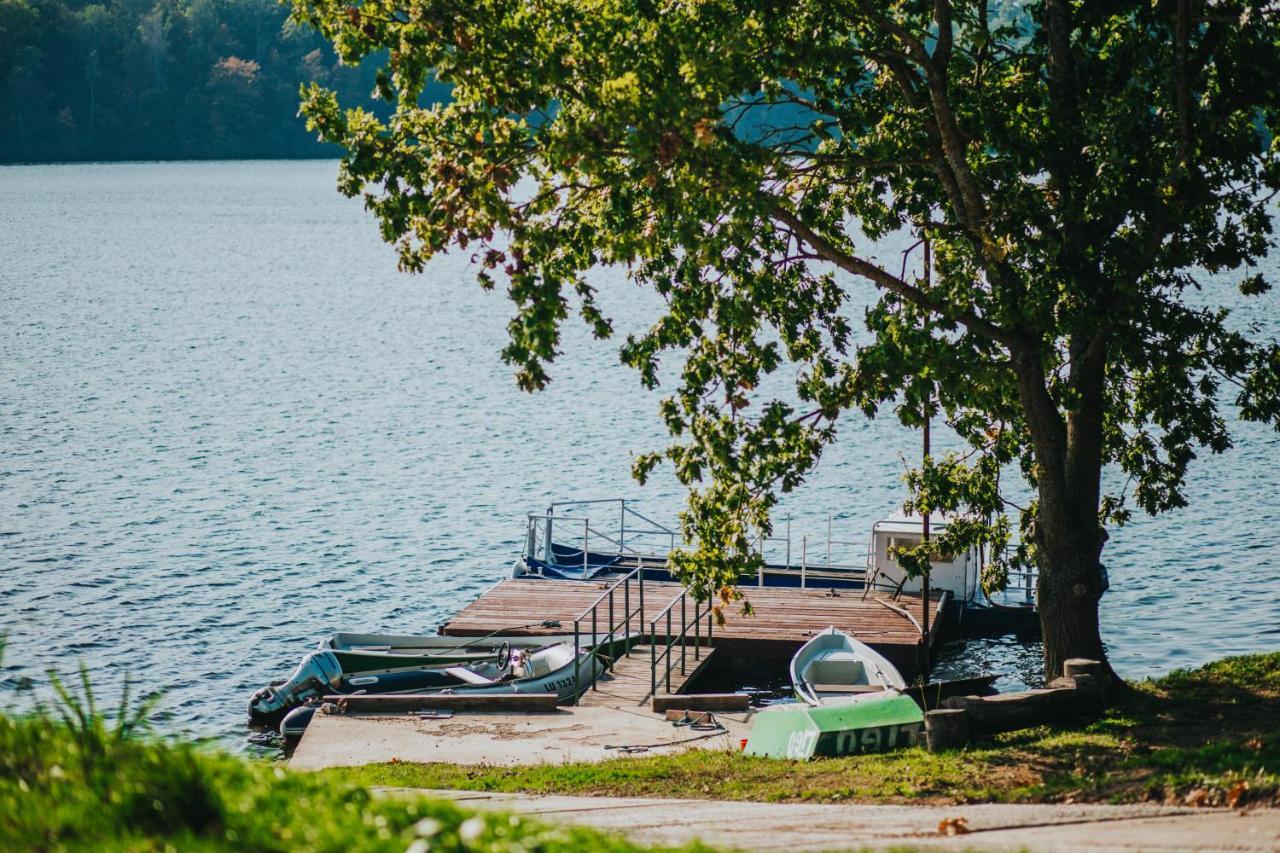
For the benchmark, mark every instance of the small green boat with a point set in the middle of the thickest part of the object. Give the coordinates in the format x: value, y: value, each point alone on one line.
x: 875, y: 723
x: 853, y: 703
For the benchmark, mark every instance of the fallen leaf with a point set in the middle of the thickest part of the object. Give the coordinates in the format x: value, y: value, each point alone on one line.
x: 1236, y: 793
x: 1254, y: 743
x: 953, y: 826
x: 1197, y: 797
x: 394, y: 760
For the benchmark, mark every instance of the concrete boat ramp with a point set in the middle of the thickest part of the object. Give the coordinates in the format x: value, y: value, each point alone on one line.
x: 498, y: 739
x: 613, y: 719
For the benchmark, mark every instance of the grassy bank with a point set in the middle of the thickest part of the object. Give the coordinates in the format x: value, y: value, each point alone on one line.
x: 1209, y: 736
x: 81, y: 782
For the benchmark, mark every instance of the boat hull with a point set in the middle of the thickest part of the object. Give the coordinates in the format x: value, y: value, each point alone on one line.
x: 320, y: 675
x: 368, y: 652
x: 872, y: 724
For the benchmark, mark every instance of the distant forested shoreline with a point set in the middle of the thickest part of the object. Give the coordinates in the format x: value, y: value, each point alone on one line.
x: 160, y: 80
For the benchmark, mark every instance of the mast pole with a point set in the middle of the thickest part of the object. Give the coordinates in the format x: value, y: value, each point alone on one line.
x: 924, y: 528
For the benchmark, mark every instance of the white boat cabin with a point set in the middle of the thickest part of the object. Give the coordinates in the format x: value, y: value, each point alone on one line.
x: 958, y: 574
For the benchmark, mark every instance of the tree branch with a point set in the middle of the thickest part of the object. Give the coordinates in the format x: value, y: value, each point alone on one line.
x: 829, y: 251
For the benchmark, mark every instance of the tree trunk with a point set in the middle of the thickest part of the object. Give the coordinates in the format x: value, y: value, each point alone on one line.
x: 1068, y: 535
x: 1069, y: 591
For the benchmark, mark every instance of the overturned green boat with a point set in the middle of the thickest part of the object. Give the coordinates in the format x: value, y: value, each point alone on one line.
x: 852, y: 702
x: 871, y: 724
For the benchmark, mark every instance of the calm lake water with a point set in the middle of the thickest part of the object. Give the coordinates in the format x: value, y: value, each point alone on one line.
x: 228, y: 427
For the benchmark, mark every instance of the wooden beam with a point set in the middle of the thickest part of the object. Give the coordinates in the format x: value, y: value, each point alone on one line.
x: 701, y: 702
x: 402, y: 702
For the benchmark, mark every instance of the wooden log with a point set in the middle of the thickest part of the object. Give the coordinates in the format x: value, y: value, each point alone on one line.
x: 1091, y: 694
x: 1092, y: 668
x: 402, y: 702
x: 701, y: 702
x: 946, y: 728
x: 1083, y: 666
x: 1009, y: 711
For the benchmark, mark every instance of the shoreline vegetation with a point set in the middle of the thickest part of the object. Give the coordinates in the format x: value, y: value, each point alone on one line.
x: 74, y: 777
x: 163, y: 81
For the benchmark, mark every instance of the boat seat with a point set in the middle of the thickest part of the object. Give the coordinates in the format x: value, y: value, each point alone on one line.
x: 847, y: 688
x: 464, y: 674
x: 836, y: 671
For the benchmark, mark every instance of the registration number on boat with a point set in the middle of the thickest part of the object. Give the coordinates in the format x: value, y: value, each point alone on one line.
x: 802, y: 744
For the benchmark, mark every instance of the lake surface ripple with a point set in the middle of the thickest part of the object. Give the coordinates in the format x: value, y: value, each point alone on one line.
x: 229, y: 427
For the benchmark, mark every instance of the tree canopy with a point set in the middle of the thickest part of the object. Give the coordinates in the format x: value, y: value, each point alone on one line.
x: 1071, y: 167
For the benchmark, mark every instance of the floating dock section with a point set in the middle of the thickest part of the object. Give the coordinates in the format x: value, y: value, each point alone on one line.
x: 783, y: 617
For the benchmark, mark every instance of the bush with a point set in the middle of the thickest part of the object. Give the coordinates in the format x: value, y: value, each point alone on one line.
x: 71, y: 778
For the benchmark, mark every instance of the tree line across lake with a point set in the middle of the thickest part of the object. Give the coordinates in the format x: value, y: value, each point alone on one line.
x: 174, y: 79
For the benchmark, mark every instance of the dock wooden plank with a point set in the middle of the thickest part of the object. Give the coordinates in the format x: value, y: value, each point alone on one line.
x: 628, y: 683
x: 782, y: 614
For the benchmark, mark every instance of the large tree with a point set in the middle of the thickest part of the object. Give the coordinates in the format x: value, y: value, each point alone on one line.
x: 1072, y: 166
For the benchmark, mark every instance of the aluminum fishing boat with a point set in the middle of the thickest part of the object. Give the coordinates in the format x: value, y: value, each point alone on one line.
x: 834, y: 667
x: 360, y: 652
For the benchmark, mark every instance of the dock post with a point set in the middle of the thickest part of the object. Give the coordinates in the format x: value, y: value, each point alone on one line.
x: 697, y: 631
x: 653, y: 661
x: 577, y: 680
x: 828, y: 540
x: 641, y: 574
x: 804, y: 559
x: 586, y: 532
x: 684, y: 627
x: 668, y: 666
x: 594, y: 633
x: 626, y: 607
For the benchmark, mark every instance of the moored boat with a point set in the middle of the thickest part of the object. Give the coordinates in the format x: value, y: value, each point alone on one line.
x: 834, y: 667
x: 553, y: 668
x: 356, y: 652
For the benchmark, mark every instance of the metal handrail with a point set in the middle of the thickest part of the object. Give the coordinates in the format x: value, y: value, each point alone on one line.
x: 624, y: 511
x: 662, y: 527
x: 639, y: 542
x: 592, y: 612
x: 671, y: 639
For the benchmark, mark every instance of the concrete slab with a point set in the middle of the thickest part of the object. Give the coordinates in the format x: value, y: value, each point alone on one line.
x: 573, y: 734
x: 785, y: 827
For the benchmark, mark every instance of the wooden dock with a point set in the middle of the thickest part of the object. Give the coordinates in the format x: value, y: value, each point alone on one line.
x: 617, y: 712
x: 784, y: 617
x: 629, y: 681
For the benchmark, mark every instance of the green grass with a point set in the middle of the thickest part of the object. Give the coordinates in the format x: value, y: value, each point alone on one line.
x: 71, y: 778
x: 1209, y: 736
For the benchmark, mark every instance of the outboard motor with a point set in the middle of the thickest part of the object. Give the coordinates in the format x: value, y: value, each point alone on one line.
x: 317, y: 675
